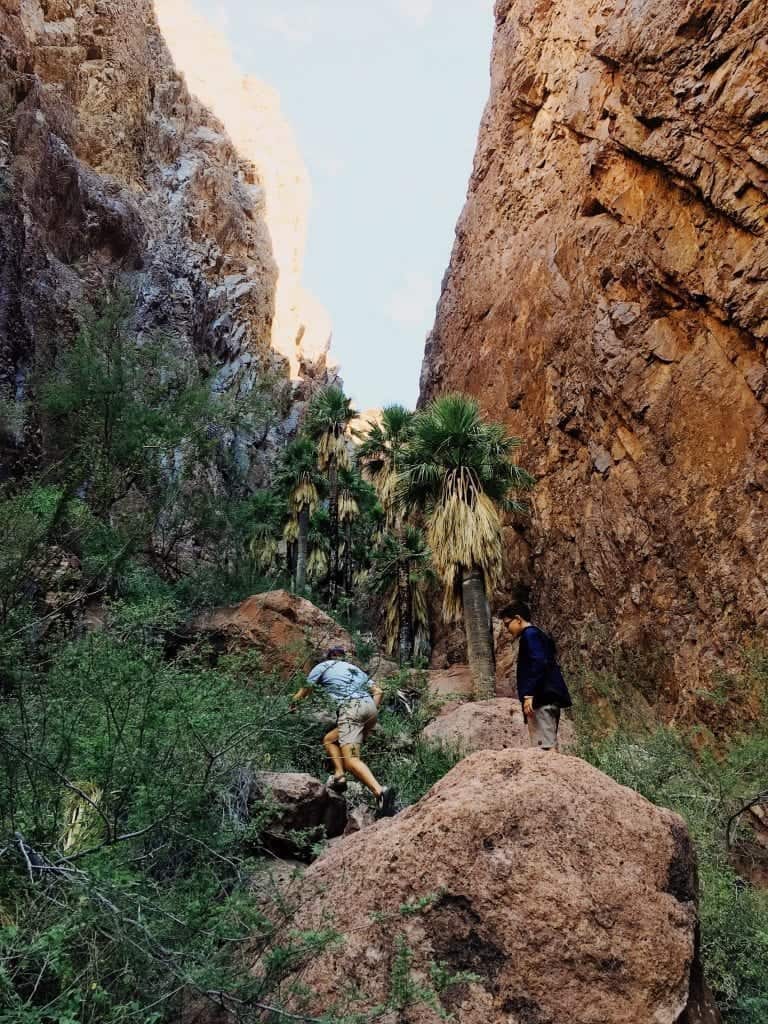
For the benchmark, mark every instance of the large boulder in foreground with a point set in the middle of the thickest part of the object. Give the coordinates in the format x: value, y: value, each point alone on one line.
x: 566, y: 898
x: 496, y: 724
x: 290, y: 632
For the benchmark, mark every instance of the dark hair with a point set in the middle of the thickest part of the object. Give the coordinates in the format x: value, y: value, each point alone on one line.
x: 336, y: 652
x: 515, y: 609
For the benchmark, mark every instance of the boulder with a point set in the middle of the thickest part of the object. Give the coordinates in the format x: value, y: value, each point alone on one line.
x: 301, y: 810
x: 455, y: 681
x: 488, y: 725
x: 290, y: 632
x: 381, y: 668
x: 524, y: 888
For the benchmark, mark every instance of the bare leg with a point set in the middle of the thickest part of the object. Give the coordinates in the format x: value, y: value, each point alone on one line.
x: 353, y: 763
x: 333, y: 750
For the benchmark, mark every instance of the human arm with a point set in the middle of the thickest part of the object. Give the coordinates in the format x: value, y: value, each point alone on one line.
x: 300, y: 695
x: 377, y: 693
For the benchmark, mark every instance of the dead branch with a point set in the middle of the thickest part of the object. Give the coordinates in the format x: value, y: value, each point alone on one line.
x: 760, y: 798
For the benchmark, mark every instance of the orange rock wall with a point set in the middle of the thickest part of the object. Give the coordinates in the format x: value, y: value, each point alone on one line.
x: 606, y: 299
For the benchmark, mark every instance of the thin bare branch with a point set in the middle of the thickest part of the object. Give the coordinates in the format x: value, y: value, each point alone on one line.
x: 62, y: 778
x: 760, y: 798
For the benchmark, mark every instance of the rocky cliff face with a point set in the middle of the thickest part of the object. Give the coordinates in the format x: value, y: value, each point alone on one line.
x: 121, y: 164
x: 607, y: 299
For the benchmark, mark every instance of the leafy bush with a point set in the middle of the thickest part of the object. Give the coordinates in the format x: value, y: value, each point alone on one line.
x: 125, y: 884
x: 705, y: 791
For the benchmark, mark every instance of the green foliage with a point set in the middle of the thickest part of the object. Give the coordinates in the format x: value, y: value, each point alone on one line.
x: 328, y: 416
x: 705, y: 791
x: 137, y: 429
x: 147, y: 900
x: 450, y: 436
x: 29, y: 519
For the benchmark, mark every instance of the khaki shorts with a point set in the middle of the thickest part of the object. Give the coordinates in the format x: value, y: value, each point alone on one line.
x: 543, y: 725
x: 356, y: 719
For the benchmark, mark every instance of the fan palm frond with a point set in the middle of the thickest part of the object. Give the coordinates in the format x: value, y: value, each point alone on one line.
x: 459, y: 471
x: 83, y: 826
x: 379, y: 454
x: 327, y: 420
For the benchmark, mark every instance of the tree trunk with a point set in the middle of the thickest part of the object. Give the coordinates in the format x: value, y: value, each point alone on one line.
x: 404, y: 615
x: 477, y: 626
x: 333, y: 518
x: 290, y: 559
x: 348, y: 565
x: 301, y: 550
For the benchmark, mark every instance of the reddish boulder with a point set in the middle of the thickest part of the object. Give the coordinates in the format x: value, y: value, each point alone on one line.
x: 523, y: 887
x: 301, y: 811
x: 455, y: 681
x: 488, y: 725
x: 289, y: 631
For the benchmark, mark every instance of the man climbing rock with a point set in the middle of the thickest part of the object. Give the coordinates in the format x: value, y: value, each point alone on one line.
x: 357, y: 700
x: 540, y: 684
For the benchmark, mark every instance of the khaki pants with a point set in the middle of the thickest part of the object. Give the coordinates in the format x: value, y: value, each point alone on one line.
x: 356, y: 719
x: 543, y: 725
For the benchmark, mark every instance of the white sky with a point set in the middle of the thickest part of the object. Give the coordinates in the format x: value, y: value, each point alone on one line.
x: 385, y: 97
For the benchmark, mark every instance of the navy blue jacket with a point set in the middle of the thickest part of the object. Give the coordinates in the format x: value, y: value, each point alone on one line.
x: 538, y: 674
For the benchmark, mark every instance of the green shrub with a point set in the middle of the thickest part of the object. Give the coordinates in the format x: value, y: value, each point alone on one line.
x: 704, y: 791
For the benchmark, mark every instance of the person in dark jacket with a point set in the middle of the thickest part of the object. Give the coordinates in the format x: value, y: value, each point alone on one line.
x: 540, y: 684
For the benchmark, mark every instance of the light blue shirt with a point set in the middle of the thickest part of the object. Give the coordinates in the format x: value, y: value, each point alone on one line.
x: 341, y: 681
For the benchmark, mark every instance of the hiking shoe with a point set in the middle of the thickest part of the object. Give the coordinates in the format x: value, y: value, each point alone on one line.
x: 338, y: 785
x: 385, y: 803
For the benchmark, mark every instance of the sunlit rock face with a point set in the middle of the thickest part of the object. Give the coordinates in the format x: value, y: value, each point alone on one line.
x: 607, y: 300
x: 250, y: 113
x: 115, y: 171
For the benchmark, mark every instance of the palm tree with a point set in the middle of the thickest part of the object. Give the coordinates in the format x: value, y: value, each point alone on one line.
x: 265, y: 515
x: 349, y: 510
x: 459, y: 471
x: 328, y: 417
x: 317, y: 563
x: 400, y: 575
x: 380, y: 455
x: 298, y: 479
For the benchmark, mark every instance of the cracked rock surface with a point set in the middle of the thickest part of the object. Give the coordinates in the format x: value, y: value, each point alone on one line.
x: 607, y: 298
x: 114, y: 174
x: 545, y: 890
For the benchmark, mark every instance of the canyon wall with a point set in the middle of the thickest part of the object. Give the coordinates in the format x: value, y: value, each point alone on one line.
x: 134, y: 154
x: 607, y: 299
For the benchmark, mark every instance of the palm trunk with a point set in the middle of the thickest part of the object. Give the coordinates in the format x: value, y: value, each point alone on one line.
x: 404, y: 614
x: 301, y: 549
x: 333, y: 516
x: 477, y: 625
x: 348, y: 565
x: 290, y: 558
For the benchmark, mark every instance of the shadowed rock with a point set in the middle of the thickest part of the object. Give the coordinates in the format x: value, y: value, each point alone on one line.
x: 300, y: 810
x: 539, y: 881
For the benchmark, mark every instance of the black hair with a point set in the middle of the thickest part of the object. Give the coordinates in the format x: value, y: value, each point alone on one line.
x: 336, y: 652
x: 515, y: 609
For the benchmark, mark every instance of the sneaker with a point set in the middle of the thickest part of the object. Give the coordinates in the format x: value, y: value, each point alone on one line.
x: 337, y: 785
x: 385, y: 803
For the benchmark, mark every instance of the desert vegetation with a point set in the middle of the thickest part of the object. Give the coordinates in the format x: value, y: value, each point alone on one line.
x: 129, y: 889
